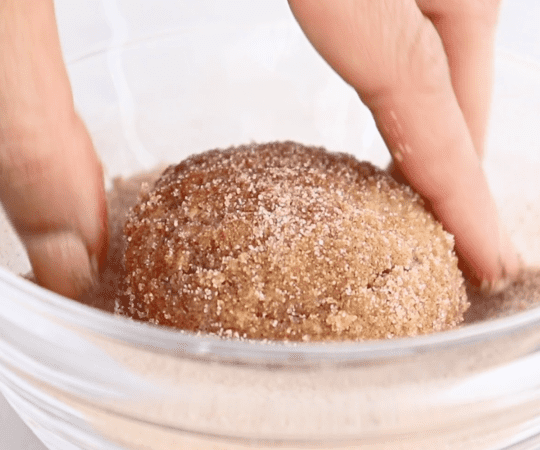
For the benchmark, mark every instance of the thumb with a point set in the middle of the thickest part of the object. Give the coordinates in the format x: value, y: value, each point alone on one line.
x: 52, y: 189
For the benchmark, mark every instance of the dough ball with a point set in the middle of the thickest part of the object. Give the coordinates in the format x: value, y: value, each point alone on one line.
x: 287, y: 242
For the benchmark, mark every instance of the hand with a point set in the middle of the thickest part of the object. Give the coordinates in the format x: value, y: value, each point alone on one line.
x: 424, y: 69
x: 51, y: 181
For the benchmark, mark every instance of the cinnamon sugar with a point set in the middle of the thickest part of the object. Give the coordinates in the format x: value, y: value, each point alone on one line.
x: 520, y: 296
x: 286, y: 242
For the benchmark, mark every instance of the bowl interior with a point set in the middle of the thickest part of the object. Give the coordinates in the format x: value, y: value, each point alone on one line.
x: 158, y: 85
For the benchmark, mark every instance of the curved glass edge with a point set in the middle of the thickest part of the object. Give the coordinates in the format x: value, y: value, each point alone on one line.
x: 256, y: 353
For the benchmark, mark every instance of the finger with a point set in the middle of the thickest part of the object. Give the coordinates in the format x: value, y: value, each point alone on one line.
x: 360, y: 39
x: 55, y: 199
x: 467, y: 30
x: 434, y: 152
x: 392, y: 55
x: 61, y: 262
x: 50, y: 178
x: 424, y: 127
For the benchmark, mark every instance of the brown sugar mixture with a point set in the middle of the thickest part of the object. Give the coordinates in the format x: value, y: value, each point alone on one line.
x: 286, y: 242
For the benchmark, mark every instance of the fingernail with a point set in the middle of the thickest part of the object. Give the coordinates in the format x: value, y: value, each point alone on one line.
x: 81, y: 282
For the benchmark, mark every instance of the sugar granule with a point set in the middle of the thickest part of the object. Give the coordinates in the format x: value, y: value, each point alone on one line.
x: 287, y: 242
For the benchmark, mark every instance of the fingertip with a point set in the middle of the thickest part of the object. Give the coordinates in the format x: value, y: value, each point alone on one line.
x: 511, y: 262
x: 61, y: 262
x: 487, y: 276
x: 506, y: 271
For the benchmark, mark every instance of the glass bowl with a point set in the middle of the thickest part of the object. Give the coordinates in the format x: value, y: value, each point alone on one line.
x: 157, y: 81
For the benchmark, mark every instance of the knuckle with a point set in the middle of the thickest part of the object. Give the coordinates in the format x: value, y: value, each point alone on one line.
x: 419, y: 68
x: 426, y: 66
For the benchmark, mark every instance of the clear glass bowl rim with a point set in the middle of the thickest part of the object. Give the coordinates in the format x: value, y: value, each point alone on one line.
x: 253, y: 353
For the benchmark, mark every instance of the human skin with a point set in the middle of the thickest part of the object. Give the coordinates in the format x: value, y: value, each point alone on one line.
x: 51, y: 181
x: 425, y: 68
x: 428, y: 92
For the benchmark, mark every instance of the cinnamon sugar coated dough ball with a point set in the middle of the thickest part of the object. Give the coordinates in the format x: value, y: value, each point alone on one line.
x: 287, y: 242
